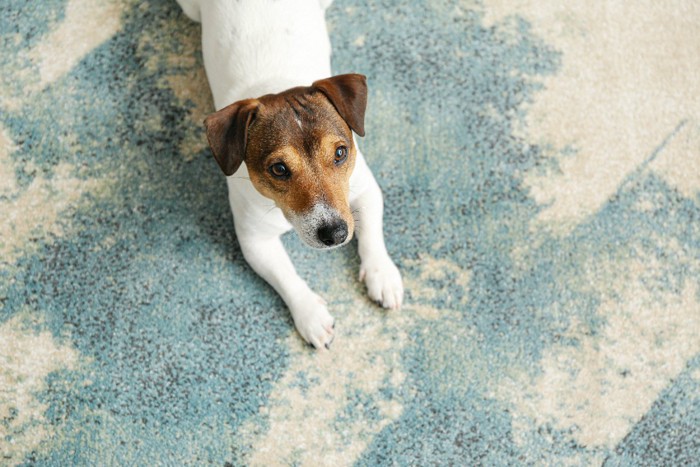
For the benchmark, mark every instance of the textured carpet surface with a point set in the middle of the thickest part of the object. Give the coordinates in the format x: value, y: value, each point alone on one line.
x: 541, y: 168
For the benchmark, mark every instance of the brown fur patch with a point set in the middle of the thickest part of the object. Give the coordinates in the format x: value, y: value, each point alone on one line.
x: 301, y: 129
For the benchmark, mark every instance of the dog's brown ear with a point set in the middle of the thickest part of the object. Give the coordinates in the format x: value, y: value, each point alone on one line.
x: 227, y: 132
x: 348, y: 94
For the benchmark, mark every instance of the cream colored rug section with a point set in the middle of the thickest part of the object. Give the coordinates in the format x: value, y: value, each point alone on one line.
x: 630, y: 75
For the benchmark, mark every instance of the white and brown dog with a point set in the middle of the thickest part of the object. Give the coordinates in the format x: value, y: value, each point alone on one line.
x: 289, y: 156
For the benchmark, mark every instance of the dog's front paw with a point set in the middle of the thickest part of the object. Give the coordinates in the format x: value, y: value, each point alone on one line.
x: 383, y: 279
x: 313, y: 321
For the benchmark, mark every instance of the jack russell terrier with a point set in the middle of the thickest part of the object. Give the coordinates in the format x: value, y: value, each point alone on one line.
x: 289, y: 156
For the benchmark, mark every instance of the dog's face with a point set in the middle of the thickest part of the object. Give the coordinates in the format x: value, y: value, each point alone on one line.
x: 299, y: 151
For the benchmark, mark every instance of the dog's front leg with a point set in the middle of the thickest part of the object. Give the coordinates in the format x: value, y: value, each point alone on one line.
x: 269, y: 259
x: 384, y: 284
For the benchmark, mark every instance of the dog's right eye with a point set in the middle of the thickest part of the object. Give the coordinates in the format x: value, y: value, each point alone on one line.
x: 280, y: 171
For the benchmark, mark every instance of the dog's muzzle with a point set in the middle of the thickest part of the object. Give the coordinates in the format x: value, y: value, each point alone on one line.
x: 321, y: 227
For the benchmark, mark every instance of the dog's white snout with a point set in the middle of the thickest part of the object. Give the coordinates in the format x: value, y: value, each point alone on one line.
x: 321, y: 227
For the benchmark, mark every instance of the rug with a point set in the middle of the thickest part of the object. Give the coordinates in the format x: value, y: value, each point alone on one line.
x: 540, y: 162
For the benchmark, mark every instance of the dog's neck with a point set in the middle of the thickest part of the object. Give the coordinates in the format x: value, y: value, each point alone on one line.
x: 262, y: 47
x: 276, y: 84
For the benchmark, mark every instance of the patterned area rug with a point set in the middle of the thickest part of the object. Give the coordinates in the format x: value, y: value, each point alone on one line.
x: 541, y: 167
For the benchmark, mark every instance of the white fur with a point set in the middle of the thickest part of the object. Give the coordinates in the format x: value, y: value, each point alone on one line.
x: 307, y: 224
x: 257, y: 47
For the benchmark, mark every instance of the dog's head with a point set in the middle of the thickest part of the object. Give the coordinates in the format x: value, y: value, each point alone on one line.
x: 299, y: 151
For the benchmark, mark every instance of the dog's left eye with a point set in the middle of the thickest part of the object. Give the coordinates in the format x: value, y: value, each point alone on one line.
x: 280, y: 171
x: 340, y: 155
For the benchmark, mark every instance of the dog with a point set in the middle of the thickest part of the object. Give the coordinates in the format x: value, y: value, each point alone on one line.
x: 283, y: 135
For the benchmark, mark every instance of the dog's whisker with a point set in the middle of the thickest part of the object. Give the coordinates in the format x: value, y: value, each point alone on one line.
x: 358, y: 227
x: 268, y: 212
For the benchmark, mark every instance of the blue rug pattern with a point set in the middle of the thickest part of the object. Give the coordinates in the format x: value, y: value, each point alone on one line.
x: 541, y: 170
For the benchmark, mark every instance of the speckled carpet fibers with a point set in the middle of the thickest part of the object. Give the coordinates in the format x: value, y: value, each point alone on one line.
x: 541, y: 168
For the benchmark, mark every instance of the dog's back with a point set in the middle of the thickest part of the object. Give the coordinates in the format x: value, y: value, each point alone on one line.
x: 255, y: 47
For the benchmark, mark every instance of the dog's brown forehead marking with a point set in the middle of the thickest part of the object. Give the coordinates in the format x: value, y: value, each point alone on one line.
x: 297, y: 117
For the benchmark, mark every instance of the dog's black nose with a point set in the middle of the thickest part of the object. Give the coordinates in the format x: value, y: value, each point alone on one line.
x: 333, y: 233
